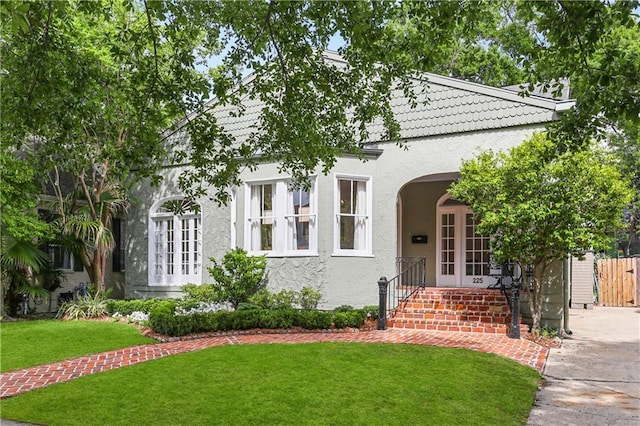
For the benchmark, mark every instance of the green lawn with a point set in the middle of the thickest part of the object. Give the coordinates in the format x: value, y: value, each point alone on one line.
x: 320, y: 383
x: 29, y: 343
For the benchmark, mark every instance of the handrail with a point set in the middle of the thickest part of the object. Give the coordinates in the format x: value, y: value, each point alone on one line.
x: 411, y: 277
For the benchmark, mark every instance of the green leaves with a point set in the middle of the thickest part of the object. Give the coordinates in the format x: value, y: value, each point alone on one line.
x: 541, y: 204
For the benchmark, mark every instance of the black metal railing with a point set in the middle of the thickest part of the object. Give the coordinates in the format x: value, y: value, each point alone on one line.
x: 411, y: 276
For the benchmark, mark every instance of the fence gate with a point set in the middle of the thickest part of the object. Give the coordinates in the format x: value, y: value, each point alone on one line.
x: 618, y: 281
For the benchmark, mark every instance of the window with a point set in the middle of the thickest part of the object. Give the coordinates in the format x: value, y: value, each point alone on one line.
x: 353, y: 206
x: 281, y: 220
x: 118, y: 252
x: 175, y: 243
x: 60, y: 257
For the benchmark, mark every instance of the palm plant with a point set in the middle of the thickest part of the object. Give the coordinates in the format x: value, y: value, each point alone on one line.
x: 19, y: 261
x: 86, y: 227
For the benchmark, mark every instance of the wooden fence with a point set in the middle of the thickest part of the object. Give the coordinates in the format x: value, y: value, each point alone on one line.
x: 618, y: 281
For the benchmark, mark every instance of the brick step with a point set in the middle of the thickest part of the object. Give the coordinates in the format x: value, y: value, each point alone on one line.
x: 496, y: 309
x: 458, y: 326
x: 453, y: 316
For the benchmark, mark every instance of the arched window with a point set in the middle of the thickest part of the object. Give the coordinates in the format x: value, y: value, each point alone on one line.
x: 175, y: 243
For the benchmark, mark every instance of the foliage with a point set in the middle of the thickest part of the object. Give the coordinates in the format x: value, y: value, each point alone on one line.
x: 99, y: 80
x: 19, y: 198
x: 127, y: 307
x: 312, y: 320
x: 371, y: 311
x: 547, y: 332
x: 541, y: 204
x: 596, y: 45
x: 168, y: 318
x: 308, y: 298
x: 90, y: 306
x: 30, y: 343
x: 163, y: 319
x: 238, y: 276
x: 200, y: 293
x: 343, y: 308
x: 82, y: 101
x: 322, y: 383
x: 19, y: 260
x: 353, y: 319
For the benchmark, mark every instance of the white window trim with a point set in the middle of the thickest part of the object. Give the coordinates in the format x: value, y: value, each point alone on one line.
x: 368, y: 250
x: 178, y: 278
x: 281, y: 193
x: 234, y: 218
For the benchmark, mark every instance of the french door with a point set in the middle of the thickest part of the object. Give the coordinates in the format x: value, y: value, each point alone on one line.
x: 462, y: 256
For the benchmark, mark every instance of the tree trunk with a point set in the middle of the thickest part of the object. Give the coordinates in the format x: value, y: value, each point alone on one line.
x: 98, y: 268
x: 536, y: 294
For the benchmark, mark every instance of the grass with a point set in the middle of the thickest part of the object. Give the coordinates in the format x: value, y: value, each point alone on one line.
x: 319, y: 383
x: 28, y: 343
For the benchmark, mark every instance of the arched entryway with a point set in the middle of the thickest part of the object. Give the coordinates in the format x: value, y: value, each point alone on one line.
x: 442, y: 230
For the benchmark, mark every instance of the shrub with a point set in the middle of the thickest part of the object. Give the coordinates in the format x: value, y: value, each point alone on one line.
x: 127, y: 307
x: 201, y: 293
x: 91, y: 306
x: 262, y: 298
x: 164, y: 320
x: 343, y: 308
x: 312, y: 320
x: 246, y: 319
x: 284, y: 299
x: 354, y: 318
x: 371, y: 311
x: 238, y: 276
x: 280, y: 318
x: 308, y: 298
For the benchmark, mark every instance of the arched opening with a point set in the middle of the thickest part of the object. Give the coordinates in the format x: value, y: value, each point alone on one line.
x: 175, y: 242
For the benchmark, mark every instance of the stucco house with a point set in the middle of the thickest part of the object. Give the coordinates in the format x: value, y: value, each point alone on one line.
x: 352, y: 225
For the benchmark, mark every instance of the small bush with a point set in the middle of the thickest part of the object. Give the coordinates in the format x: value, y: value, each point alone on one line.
x: 91, y: 306
x: 274, y: 319
x: 284, y: 299
x: 354, y: 319
x: 309, y: 298
x: 238, y: 276
x: 129, y: 306
x: 312, y: 320
x: 371, y: 311
x: 247, y: 307
x: 343, y: 308
x: 262, y: 298
x: 164, y: 320
x: 201, y: 293
x: 246, y: 320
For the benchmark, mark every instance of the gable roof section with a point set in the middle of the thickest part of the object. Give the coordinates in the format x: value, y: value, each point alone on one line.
x: 447, y: 106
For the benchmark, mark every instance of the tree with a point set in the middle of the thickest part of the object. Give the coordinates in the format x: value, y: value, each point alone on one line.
x: 106, y: 90
x: 81, y: 99
x: 541, y: 204
x: 21, y: 230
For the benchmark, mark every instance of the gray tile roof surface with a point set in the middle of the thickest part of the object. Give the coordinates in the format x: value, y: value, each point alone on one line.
x: 453, y: 106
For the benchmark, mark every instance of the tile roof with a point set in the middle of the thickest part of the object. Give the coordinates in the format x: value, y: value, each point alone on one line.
x: 448, y: 106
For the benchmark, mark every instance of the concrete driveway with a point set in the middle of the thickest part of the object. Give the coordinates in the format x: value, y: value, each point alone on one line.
x: 594, y: 378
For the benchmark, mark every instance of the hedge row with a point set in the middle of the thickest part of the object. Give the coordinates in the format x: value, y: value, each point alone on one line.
x: 127, y: 307
x: 163, y: 320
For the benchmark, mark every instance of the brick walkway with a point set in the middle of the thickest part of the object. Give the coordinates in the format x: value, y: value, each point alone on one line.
x: 20, y: 381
